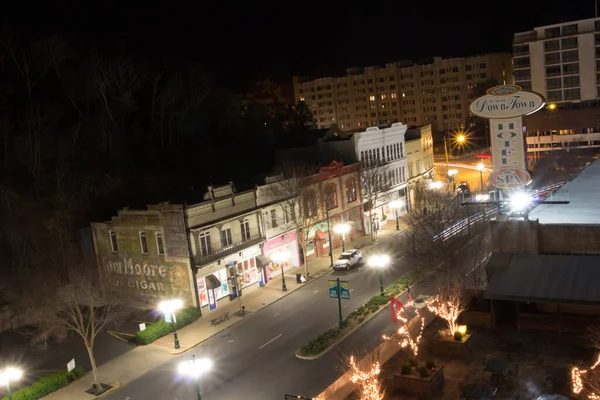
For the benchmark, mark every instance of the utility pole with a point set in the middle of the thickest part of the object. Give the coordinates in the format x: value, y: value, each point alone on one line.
x: 329, y: 235
x: 339, y: 299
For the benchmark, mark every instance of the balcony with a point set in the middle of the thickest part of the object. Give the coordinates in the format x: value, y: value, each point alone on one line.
x: 223, y: 252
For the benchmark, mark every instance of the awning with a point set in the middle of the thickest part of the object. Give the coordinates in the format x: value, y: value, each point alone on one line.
x: 262, y: 261
x: 212, y: 282
x: 544, y: 278
x: 320, y: 235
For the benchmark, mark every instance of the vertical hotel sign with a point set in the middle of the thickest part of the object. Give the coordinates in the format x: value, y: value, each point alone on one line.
x: 505, y: 106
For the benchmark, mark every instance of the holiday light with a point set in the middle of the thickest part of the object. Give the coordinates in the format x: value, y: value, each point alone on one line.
x: 448, y: 307
x: 577, y: 379
x: 409, y: 340
x: 367, y: 381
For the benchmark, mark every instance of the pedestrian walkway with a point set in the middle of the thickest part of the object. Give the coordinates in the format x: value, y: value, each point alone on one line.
x: 141, y: 360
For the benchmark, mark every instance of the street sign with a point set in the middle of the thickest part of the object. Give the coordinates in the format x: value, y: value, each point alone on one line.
x: 344, y: 292
x: 142, y: 326
x: 71, y: 365
x: 168, y: 318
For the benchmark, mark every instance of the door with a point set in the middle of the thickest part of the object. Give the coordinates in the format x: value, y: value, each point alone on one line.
x: 318, y: 247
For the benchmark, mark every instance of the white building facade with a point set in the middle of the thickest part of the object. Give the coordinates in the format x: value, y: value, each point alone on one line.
x: 226, y: 236
x: 385, y: 146
x: 419, y: 149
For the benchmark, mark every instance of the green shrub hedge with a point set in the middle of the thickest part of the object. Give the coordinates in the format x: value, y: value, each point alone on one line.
x: 162, y: 328
x: 324, y: 340
x: 47, y: 385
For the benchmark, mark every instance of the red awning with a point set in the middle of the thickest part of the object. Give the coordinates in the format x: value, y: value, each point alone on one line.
x: 320, y: 235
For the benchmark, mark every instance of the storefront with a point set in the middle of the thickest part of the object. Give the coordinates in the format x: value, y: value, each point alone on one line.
x: 228, y: 278
x: 272, y: 266
x: 317, y: 241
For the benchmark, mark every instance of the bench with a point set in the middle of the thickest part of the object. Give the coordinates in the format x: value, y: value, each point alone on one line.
x: 218, y: 320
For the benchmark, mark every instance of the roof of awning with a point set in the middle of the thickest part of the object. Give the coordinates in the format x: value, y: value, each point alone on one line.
x: 320, y: 235
x: 543, y: 277
x: 212, y: 282
x: 262, y: 261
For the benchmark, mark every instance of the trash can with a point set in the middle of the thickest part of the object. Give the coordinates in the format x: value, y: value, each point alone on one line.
x: 298, y: 278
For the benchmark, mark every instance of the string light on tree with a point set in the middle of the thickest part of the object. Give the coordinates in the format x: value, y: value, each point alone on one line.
x: 367, y: 381
x: 410, y: 340
x: 577, y: 379
x: 448, y: 306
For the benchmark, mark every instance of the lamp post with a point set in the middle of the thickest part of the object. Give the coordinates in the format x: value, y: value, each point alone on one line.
x: 380, y: 262
x: 452, y: 175
x: 396, y: 204
x: 195, y: 368
x: 170, y: 307
x: 7, y: 375
x: 342, y: 230
x: 481, y: 167
x: 281, y: 257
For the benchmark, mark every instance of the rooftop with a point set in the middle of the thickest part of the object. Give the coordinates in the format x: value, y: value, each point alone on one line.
x: 583, y: 194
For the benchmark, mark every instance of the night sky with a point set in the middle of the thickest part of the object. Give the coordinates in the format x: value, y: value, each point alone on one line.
x: 246, y: 41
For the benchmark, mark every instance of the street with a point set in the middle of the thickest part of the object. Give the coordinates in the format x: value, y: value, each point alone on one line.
x: 255, y: 359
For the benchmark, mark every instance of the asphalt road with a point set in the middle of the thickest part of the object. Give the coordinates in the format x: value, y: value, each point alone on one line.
x: 255, y: 358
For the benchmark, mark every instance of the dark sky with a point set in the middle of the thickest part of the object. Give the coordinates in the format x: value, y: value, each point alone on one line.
x: 247, y: 40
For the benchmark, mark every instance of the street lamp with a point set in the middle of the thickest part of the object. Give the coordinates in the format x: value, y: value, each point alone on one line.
x: 342, y: 230
x: 7, y: 375
x: 194, y: 368
x: 170, y: 307
x: 452, y: 175
x: 281, y: 257
x: 396, y: 204
x: 481, y: 167
x: 380, y: 262
x: 435, y: 185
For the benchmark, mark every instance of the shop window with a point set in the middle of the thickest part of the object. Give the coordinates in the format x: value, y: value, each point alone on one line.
x: 350, y: 190
x: 245, y: 228
x: 113, y: 241
x: 310, y: 247
x: 273, y: 218
x: 331, y: 196
x: 205, y: 243
x: 226, y: 238
x: 143, y: 243
x: 160, y: 247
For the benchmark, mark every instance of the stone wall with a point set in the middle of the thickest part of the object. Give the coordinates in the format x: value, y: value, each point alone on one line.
x: 515, y: 236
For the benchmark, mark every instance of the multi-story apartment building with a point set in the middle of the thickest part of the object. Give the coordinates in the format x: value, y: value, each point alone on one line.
x: 419, y: 154
x: 143, y: 254
x: 560, y: 62
x: 226, y: 234
x: 437, y: 92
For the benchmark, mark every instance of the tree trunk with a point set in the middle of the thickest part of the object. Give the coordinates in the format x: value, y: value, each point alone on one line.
x: 90, y: 350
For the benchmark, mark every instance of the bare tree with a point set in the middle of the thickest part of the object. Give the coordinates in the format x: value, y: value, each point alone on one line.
x: 375, y: 180
x: 297, y: 192
x: 73, y: 304
x: 365, y: 375
x: 587, y: 381
x: 448, y: 303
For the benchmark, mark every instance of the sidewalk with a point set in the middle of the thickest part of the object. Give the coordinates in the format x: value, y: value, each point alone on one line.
x: 143, y: 359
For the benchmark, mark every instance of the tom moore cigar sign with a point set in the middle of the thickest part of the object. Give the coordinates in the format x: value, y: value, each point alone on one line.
x: 507, y: 101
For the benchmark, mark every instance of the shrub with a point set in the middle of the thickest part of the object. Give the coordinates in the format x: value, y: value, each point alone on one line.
x: 361, y: 320
x: 406, y: 369
x: 47, y: 385
x: 458, y: 336
x: 412, y: 362
x: 430, y: 364
x: 423, y: 372
x: 320, y: 343
x: 162, y: 328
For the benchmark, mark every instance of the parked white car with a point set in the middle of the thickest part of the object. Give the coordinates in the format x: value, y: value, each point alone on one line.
x: 348, y: 260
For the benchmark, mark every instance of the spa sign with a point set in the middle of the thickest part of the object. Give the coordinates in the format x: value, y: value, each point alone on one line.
x: 145, y: 278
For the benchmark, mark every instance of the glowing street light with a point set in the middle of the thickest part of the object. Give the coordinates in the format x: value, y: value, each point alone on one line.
x: 281, y: 257
x: 551, y: 106
x: 396, y: 204
x: 481, y: 167
x: 452, y: 173
x: 460, y: 138
x: 519, y: 201
x: 342, y: 230
x: 7, y: 375
x: 436, y: 185
x: 170, y: 308
x: 380, y: 262
x: 195, y: 368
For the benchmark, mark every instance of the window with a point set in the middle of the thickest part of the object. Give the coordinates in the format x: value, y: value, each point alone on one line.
x: 160, y: 247
x: 554, y: 95
x: 551, y: 58
x: 570, y: 82
x: 569, y: 43
x: 570, y: 69
x: 350, y: 190
x: 331, y: 196
x: 571, y: 94
x: 522, y: 62
x: 273, y: 218
x: 245, y: 226
x: 553, y: 32
x: 553, y: 83
x: 551, y: 45
x: 570, y: 56
x: 372, y: 98
x: 205, y: 243
x: 226, y: 239
x: 113, y: 241
x: 553, y: 71
x: 568, y: 30
x: 310, y: 205
x: 143, y: 243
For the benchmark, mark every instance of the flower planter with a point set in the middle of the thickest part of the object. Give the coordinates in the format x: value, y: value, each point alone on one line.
x: 477, y: 319
x: 449, y: 348
x: 423, y: 388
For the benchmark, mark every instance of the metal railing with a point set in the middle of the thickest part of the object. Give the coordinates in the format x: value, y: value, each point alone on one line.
x: 466, y: 223
x: 230, y: 249
x: 549, y: 189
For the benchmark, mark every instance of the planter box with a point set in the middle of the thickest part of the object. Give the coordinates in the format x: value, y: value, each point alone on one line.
x: 477, y: 318
x: 423, y: 388
x: 449, y: 348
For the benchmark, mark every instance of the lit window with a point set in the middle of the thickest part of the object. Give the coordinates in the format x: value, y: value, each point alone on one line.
x: 393, y: 95
x: 301, y: 98
x: 403, y: 94
x: 372, y: 98
x: 383, y: 96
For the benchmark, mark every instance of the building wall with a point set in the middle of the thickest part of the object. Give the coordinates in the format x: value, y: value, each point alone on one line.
x: 145, y: 278
x: 559, y: 61
x: 419, y: 157
x: 438, y: 92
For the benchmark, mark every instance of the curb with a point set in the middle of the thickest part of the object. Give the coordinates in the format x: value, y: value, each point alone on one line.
x: 329, y: 348
x: 114, y: 387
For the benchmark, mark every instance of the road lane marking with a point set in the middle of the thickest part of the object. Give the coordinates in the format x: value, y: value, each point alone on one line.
x: 276, y: 314
x: 315, y: 291
x: 231, y: 341
x: 271, y: 341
